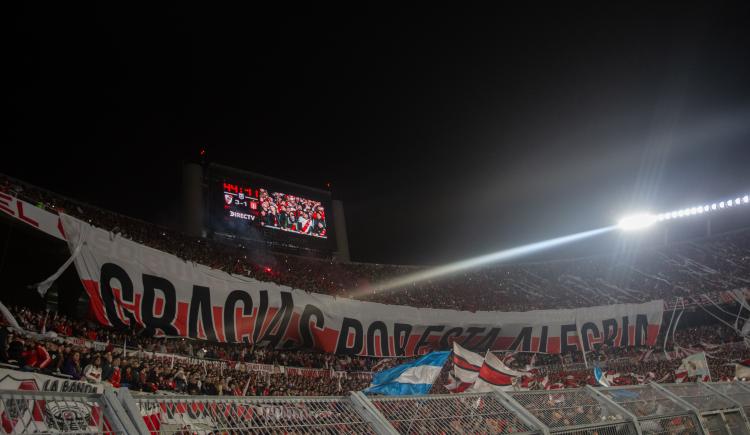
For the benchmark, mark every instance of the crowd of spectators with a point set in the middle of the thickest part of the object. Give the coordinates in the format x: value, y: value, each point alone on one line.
x: 680, y: 270
x: 214, y: 369
x: 629, y: 365
x: 146, y: 366
x: 138, y: 342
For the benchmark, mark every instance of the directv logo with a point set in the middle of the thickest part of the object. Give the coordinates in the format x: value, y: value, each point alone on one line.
x: 241, y: 215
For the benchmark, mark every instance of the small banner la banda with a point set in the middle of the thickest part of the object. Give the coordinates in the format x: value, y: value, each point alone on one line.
x: 29, y: 381
x: 19, y: 414
x: 129, y: 283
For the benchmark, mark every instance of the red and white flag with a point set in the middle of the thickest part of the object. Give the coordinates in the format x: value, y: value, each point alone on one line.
x: 544, y: 382
x: 453, y: 384
x: 466, y: 365
x: 495, y: 375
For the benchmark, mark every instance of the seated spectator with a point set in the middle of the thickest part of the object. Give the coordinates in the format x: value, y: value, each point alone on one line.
x: 72, y: 366
x: 92, y: 373
x: 36, y: 355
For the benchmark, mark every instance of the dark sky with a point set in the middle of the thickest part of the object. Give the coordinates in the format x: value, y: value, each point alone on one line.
x: 446, y: 135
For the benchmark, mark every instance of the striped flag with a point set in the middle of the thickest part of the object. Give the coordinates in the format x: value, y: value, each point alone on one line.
x: 599, y: 377
x: 495, y: 375
x: 466, y: 365
x: 414, y: 377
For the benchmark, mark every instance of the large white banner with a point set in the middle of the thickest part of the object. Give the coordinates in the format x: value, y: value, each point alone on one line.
x: 31, y: 215
x: 129, y: 284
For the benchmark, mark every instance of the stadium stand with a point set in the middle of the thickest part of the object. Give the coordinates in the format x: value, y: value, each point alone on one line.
x: 690, y: 276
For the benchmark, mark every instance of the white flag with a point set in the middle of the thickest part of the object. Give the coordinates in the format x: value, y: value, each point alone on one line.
x: 694, y: 365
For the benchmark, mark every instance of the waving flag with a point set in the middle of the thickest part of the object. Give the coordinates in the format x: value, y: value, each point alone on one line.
x: 495, y: 375
x: 415, y: 377
x: 599, y: 376
x: 694, y: 365
x: 466, y: 365
x: 453, y: 384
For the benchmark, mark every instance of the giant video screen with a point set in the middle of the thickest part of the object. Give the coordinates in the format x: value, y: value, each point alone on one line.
x: 240, y: 207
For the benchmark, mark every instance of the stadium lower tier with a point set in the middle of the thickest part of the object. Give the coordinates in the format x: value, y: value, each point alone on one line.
x: 80, y: 350
x: 32, y: 405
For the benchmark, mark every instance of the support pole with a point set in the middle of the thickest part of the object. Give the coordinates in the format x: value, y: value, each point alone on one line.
x: 371, y: 414
x: 684, y: 403
x: 521, y: 412
x: 739, y: 404
x: 602, y: 397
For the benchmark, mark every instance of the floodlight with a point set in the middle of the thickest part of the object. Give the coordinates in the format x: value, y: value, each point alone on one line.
x: 645, y: 219
x: 637, y: 221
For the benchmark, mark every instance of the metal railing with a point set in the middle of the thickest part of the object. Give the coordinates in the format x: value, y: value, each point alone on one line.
x: 652, y: 409
x: 700, y: 396
x: 717, y: 412
x: 656, y: 411
x: 735, y: 391
x: 575, y: 410
x: 453, y: 413
x: 308, y: 415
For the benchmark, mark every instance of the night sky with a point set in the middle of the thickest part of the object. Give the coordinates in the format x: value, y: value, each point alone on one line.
x: 446, y: 135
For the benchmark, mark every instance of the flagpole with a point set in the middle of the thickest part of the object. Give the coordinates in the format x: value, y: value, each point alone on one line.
x: 44, y: 323
x: 666, y: 336
x: 707, y: 366
x: 583, y: 350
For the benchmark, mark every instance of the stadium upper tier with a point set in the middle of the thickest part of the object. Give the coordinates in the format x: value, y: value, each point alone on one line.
x: 682, y: 270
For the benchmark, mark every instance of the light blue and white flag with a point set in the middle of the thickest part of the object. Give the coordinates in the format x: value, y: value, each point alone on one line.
x: 599, y: 376
x: 415, y: 377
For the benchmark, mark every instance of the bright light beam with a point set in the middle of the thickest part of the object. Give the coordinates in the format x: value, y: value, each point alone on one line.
x: 471, y: 263
x: 637, y: 222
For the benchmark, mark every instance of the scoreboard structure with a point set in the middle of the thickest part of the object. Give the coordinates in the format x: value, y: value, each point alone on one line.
x: 242, y: 205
